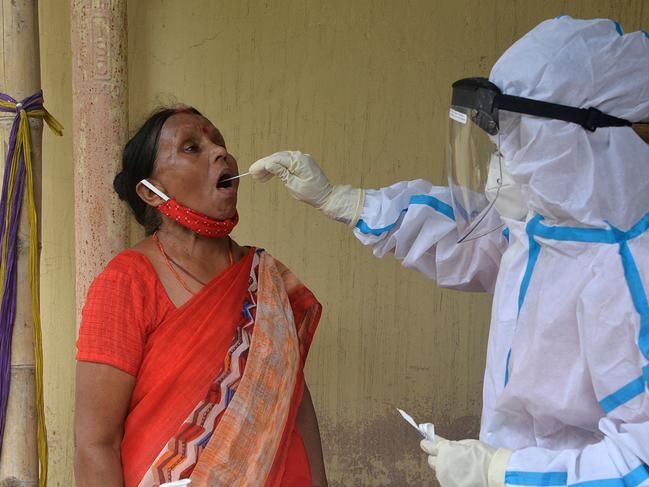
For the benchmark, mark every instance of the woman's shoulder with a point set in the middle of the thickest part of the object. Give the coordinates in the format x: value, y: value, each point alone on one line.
x: 128, y: 269
x: 293, y: 285
x: 130, y: 262
x: 261, y: 253
x: 129, y: 284
x: 119, y: 312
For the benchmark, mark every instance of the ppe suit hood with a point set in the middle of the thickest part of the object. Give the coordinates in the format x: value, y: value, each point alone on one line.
x: 567, y: 174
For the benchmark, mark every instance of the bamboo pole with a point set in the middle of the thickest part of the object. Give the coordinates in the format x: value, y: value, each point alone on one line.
x: 19, y: 78
x: 100, y: 126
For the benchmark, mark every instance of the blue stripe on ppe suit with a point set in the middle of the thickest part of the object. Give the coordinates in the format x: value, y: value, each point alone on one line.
x: 638, y: 295
x: 634, y: 282
x: 418, y: 199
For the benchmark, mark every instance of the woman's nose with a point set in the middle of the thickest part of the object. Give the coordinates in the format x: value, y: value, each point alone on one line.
x: 218, y: 152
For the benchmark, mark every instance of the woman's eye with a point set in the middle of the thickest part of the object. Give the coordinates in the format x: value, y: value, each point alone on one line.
x: 191, y: 148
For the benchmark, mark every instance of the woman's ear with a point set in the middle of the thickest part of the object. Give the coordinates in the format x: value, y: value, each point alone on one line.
x: 149, y: 195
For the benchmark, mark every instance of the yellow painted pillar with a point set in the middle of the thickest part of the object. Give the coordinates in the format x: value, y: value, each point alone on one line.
x: 100, y: 125
x: 19, y: 78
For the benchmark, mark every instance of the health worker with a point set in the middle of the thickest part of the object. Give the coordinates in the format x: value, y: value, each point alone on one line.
x: 548, y: 208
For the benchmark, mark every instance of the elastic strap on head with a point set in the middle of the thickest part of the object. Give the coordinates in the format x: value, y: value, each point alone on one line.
x: 589, y: 118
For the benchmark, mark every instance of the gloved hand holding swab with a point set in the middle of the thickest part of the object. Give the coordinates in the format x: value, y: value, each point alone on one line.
x: 306, y: 181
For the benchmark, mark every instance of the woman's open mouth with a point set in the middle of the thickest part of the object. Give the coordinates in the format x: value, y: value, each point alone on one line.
x: 225, y: 180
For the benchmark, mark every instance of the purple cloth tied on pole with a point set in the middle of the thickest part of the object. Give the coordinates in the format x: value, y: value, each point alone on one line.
x: 10, y: 232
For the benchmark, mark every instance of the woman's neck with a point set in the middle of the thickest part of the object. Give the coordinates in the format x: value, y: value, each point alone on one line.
x: 182, y: 243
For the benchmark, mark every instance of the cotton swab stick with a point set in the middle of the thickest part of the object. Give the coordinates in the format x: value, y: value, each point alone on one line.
x: 234, y: 177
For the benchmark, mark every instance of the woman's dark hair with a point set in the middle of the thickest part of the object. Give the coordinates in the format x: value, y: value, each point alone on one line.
x: 138, y: 158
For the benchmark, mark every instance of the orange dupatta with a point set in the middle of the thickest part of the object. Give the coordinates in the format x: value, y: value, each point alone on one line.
x: 250, y: 442
x: 186, y: 352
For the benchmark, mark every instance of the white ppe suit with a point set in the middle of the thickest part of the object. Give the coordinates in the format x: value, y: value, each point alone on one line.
x: 567, y: 376
x: 566, y: 384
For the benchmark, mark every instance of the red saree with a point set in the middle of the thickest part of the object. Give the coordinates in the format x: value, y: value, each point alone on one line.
x: 219, y: 380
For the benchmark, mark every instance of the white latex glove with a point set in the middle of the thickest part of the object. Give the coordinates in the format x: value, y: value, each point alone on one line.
x: 466, y: 463
x: 306, y: 182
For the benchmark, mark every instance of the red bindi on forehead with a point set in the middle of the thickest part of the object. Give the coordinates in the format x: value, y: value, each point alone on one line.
x: 205, y: 130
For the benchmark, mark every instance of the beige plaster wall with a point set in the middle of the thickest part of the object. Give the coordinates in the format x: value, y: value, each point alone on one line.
x: 362, y: 85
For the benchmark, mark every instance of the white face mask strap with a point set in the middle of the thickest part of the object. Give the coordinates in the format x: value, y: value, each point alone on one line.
x: 155, y: 190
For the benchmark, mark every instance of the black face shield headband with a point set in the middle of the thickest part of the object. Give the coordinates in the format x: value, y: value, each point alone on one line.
x: 485, y: 99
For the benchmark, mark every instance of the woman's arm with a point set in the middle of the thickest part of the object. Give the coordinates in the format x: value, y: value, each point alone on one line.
x: 307, y: 426
x: 103, y: 394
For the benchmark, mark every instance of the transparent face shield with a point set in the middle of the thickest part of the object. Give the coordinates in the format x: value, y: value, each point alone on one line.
x: 474, y: 159
x: 475, y: 174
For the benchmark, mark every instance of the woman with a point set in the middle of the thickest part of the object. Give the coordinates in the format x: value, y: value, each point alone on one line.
x: 191, y: 347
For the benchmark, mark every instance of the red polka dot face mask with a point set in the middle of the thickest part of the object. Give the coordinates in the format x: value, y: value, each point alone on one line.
x: 197, y: 222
